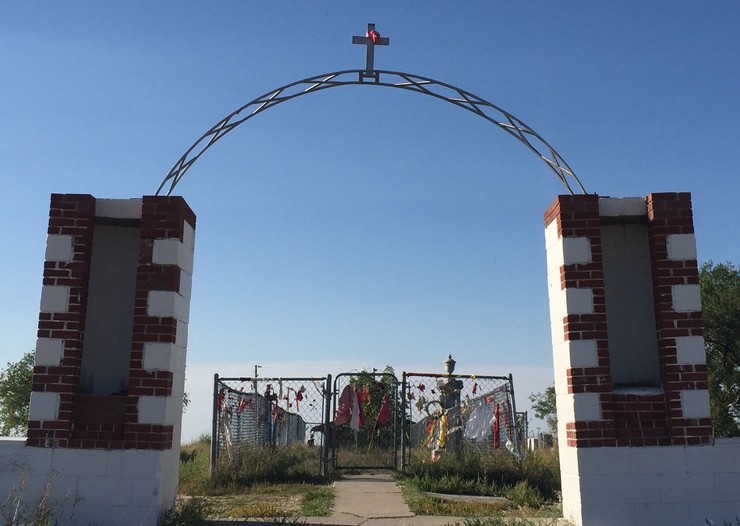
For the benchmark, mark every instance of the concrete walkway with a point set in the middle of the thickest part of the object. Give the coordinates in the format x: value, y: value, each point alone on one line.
x: 363, y: 500
x: 374, y: 500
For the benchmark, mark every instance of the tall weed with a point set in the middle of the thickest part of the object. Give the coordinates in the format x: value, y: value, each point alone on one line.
x: 532, y: 479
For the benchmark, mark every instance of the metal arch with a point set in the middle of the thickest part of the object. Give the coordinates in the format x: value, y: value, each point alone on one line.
x: 392, y: 79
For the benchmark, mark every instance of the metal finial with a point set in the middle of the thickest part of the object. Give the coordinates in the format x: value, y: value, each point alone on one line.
x: 449, y: 364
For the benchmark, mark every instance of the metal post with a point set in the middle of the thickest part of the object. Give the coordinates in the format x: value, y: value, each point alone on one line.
x: 327, y: 427
x: 517, y: 446
x: 403, y: 421
x: 214, y: 426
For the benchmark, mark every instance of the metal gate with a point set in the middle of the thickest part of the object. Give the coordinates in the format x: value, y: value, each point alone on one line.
x: 269, y: 412
x: 365, y: 430
x: 448, y: 413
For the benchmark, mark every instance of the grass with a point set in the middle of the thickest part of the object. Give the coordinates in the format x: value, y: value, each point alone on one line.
x: 530, y: 485
x: 285, y: 483
x: 279, y: 484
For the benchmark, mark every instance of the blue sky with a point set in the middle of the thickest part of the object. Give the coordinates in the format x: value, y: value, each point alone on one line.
x: 361, y: 227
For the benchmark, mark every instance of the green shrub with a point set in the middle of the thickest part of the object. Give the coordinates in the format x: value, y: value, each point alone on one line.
x: 195, y: 467
x: 192, y: 511
x: 251, y: 465
x: 522, y: 494
x: 532, y: 480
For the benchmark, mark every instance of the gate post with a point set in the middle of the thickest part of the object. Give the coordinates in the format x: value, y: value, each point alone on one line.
x: 327, y: 427
x: 105, y: 412
x: 634, y: 425
x: 403, y: 421
x: 214, y: 425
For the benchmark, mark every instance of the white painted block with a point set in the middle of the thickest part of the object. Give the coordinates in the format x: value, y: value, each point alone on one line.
x: 726, y: 455
x: 598, y: 461
x: 166, y: 303
x: 54, y: 298
x: 105, y: 491
x: 59, y: 247
x: 177, y: 363
x: 587, y: 406
x: 700, y: 459
x: 610, y: 515
x: 622, y: 206
x: 173, y: 406
x: 551, y: 234
x: 152, y: 409
x: 565, y: 404
x: 172, y: 252
x: 558, y: 301
x: 159, y: 409
x: 142, y: 463
x: 186, y: 284
x: 554, y: 246
x: 185, y: 259
x: 94, y: 514
x: 687, y: 487
x: 560, y: 355
x: 686, y: 298
x: 43, y: 406
x: 579, y: 301
x: 713, y: 513
x: 188, y: 236
x: 39, y: 461
x: 625, y: 489
x: 145, y: 490
x: 690, y: 350
x: 728, y: 488
x: 178, y: 385
x: 695, y: 403
x: 681, y: 246
x: 165, y: 251
x: 118, y: 208
x: 158, y: 356
x: 576, y: 250
x: 583, y: 353
x: 556, y: 335
x: 181, y: 338
x: 80, y: 462
x: 657, y: 460
x: 657, y: 513
x: 49, y: 351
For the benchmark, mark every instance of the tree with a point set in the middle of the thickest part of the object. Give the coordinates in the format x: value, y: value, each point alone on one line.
x: 15, y: 395
x: 544, y: 408
x: 720, y: 295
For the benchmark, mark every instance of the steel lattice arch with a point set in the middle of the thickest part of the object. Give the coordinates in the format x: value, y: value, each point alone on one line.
x: 391, y: 79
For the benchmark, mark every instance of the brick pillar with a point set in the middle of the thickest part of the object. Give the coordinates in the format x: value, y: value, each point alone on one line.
x: 109, y: 376
x: 609, y: 414
x: 147, y: 414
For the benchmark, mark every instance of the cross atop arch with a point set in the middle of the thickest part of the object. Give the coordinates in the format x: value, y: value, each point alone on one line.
x: 371, y: 39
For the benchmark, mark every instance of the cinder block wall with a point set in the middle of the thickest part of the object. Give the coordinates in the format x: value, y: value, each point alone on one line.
x: 109, y: 454
x: 630, y: 371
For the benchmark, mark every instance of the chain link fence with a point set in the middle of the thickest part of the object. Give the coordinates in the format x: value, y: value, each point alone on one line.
x: 268, y: 412
x: 448, y: 413
x: 363, y: 420
x: 366, y: 421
